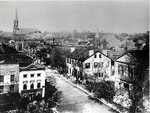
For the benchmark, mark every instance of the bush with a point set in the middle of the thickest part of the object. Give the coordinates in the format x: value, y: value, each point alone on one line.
x: 89, y: 86
x: 102, y: 90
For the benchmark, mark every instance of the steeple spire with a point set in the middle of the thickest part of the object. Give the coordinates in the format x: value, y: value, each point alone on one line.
x: 16, y: 14
x: 16, y: 21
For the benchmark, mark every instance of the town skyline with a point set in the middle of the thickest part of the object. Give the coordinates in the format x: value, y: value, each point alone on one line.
x: 109, y: 16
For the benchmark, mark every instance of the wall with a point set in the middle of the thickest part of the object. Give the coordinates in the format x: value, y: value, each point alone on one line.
x: 35, y: 79
x: 105, y: 60
x: 7, y: 70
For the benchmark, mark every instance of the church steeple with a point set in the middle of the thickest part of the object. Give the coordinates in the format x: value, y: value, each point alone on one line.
x: 16, y: 21
x: 16, y: 14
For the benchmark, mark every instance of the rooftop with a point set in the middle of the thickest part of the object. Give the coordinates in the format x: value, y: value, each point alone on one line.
x: 83, y: 53
x: 25, y: 31
x: 32, y: 67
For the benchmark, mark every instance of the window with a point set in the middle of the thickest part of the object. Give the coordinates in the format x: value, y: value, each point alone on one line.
x: 112, y: 63
x: 95, y: 56
x: 32, y: 86
x: 25, y: 76
x: 1, y: 89
x: 11, y: 88
x: 100, y: 74
x: 126, y: 86
x: 24, y: 86
x: 67, y: 60
x: 39, y: 74
x: 113, y: 72
x: 32, y: 75
x: 70, y: 70
x: 120, y: 69
x: 70, y: 61
x: 100, y: 56
x: 87, y: 65
x: 101, y: 64
x: 95, y: 64
x: 38, y: 85
x: 98, y: 65
x: 1, y: 78
x: 12, y: 78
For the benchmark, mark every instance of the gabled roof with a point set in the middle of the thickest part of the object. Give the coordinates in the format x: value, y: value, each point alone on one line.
x: 13, y: 58
x: 7, y: 59
x: 32, y: 67
x: 137, y: 55
x: 82, y: 54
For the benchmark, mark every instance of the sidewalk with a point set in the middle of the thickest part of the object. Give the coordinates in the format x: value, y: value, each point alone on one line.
x: 72, y: 82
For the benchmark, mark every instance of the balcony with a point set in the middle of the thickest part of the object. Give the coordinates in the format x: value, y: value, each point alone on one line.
x: 31, y: 90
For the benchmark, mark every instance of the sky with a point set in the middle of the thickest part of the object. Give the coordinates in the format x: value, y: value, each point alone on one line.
x: 107, y: 16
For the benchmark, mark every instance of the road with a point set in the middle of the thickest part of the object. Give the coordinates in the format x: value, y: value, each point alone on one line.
x: 74, y: 100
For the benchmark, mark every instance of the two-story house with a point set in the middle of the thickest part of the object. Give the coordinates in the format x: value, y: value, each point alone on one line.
x: 9, y: 77
x: 89, y: 63
x: 32, y: 81
x: 125, y: 75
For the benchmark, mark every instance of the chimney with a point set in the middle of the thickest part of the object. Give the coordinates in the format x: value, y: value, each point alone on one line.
x: 72, y: 49
x: 91, y: 52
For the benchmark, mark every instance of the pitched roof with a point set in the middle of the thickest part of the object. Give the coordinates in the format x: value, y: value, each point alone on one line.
x: 32, y: 67
x: 82, y: 54
x: 139, y: 55
x: 7, y: 59
x: 25, y: 31
x: 13, y: 58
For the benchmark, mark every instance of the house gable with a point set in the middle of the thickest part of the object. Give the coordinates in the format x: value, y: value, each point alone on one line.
x: 127, y: 58
x: 97, y: 53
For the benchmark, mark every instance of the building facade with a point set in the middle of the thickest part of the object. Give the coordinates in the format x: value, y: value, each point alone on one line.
x: 124, y: 74
x: 9, y: 78
x: 89, y: 63
x: 32, y: 81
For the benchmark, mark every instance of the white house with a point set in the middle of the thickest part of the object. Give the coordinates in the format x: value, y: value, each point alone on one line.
x: 89, y: 63
x: 32, y: 80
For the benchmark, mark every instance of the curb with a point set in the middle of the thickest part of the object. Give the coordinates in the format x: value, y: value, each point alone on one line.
x: 85, y: 91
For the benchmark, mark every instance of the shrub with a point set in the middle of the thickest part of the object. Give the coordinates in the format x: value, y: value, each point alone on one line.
x: 102, y: 90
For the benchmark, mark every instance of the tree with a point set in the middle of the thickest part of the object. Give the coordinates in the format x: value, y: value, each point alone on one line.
x: 58, y: 58
x: 139, y: 79
x: 52, y: 95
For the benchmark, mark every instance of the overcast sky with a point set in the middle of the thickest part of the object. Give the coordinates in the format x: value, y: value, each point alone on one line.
x: 107, y: 16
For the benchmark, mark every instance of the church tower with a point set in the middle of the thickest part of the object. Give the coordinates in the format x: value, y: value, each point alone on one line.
x: 16, y: 21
